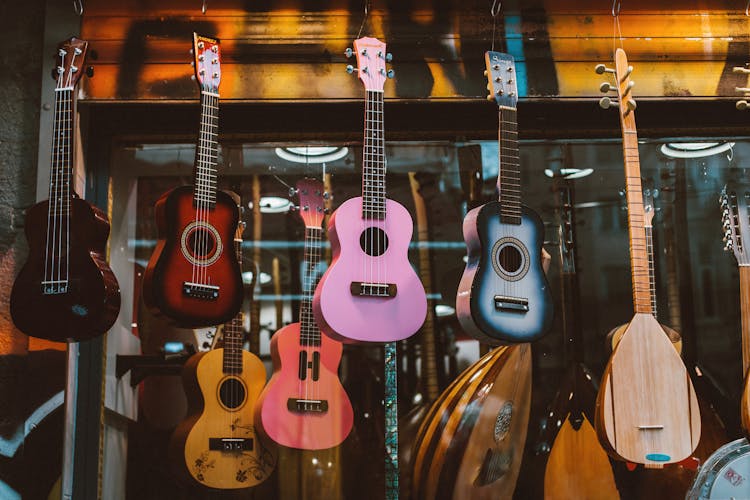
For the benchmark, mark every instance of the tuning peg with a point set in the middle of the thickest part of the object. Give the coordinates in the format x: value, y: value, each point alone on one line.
x: 326, y: 211
x: 326, y: 195
x: 605, y: 103
x: 292, y: 192
x: 390, y: 73
x: 351, y: 69
x: 627, y: 74
x: 601, y: 69
x: 294, y: 208
x: 90, y: 71
x: 631, y: 104
x: 606, y: 87
x: 742, y: 89
x: 388, y: 57
x: 364, y: 52
x: 630, y: 86
x: 740, y: 69
x: 348, y: 52
x: 741, y: 105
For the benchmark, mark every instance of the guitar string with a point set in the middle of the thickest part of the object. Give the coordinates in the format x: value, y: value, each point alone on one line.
x: 51, y: 207
x: 67, y: 180
x: 54, y: 258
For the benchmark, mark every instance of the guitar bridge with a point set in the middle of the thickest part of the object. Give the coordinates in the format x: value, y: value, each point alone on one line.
x: 200, y: 291
x: 230, y: 444
x: 307, y: 405
x: 54, y: 287
x: 363, y: 289
x: 504, y: 303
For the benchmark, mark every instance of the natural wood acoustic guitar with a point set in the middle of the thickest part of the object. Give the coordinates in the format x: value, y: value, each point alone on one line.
x: 647, y: 411
x: 217, y: 446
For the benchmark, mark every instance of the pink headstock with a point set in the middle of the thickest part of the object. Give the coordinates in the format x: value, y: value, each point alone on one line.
x: 207, y: 62
x: 311, y: 202
x: 71, y: 55
x: 371, y: 59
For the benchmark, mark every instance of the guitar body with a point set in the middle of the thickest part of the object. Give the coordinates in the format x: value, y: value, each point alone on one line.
x: 172, y: 263
x: 615, y: 334
x: 471, y: 442
x: 647, y: 411
x: 487, y: 277
x: 221, y: 407
x: 308, y: 430
x: 92, y: 302
x: 347, y: 317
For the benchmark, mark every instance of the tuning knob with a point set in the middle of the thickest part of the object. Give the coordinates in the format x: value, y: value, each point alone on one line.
x: 350, y: 69
x: 741, y: 105
x: 630, y: 86
x: 740, y: 69
x: 627, y: 73
x: 605, y: 103
x: 728, y: 246
x: 388, y: 57
x: 293, y: 192
x: 601, y: 69
x: 390, y: 73
x: 348, y: 52
x: 606, y: 87
x: 632, y: 104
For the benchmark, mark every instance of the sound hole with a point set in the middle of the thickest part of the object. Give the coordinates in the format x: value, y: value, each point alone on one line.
x: 201, y: 242
x: 510, y: 259
x: 232, y: 393
x: 374, y: 241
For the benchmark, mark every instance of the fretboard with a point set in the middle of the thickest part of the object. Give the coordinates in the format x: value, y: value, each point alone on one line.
x: 309, y: 332
x: 61, y: 170
x: 651, y: 268
x: 234, y: 335
x: 373, y: 158
x: 509, y: 172
x: 639, y: 261
x: 207, y: 151
x: 745, y: 316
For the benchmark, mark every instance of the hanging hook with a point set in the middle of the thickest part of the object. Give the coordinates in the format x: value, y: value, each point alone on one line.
x: 616, y: 7
x: 78, y: 7
x: 747, y: 9
x: 204, y: 7
x: 497, y: 5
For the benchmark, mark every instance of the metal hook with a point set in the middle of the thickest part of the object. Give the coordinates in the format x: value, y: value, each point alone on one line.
x: 497, y: 5
x: 747, y: 9
x: 616, y: 7
x: 204, y: 7
x: 78, y: 7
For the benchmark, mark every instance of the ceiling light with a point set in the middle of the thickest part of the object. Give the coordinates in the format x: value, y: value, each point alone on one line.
x: 272, y: 205
x: 247, y: 278
x: 570, y: 173
x: 312, y: 154
x: 694, y: 149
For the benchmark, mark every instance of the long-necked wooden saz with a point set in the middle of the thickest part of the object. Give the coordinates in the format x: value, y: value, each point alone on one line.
x: 65, y: 291
x: 503, y: 296
x: 577, y: 465
x: 217, y: 444
x: 192, y: 276
x: 647, y: 411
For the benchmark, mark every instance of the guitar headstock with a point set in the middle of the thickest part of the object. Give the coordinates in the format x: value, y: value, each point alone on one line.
x: 564, y: 191
x: 622, y: 87
x: 735, y: 221
x: 501, y: 78
x: 649, y: 208
x: 371, y: 59
x: 207, y: 63
x: 311, y: 202
x: 71, y: 55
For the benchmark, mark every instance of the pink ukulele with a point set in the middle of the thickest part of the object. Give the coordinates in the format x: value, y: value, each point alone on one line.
x: 304, y: 404
x: 370, y: 293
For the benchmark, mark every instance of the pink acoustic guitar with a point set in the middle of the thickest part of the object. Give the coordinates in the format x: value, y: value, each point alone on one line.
x: 370, y: 293
x: 304, y: 404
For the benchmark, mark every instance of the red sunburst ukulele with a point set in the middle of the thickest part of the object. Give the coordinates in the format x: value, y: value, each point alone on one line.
x: 193, y: 277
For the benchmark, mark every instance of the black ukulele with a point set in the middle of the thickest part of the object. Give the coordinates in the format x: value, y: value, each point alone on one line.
x: 65, y: 291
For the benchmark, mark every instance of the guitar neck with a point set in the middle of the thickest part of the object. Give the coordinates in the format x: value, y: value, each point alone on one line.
x: 639, y: 261
x: 373, y: 158
x: 233, y: 331
x: 651, y: 268
x: 207, y: 150
x: 745, y: 311
x: 254, y: 337
x: 509, y: 172
x: 309, y: 332
x: 61, y: 171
